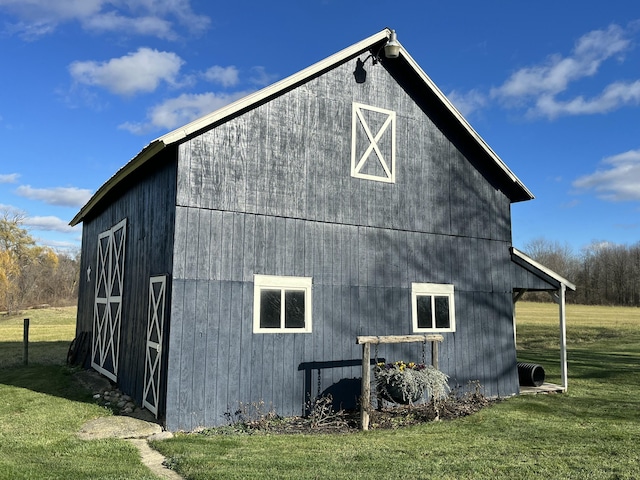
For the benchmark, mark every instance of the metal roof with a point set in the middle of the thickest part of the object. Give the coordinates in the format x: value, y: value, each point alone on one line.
x: 261, y: 96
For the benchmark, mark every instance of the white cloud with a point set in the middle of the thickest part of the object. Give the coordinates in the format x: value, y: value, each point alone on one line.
x: 49, y: 223
x: 69, y: 247
x: 10, y: 209
x: 140, y: 71
x: 468, y: 102
x: 60, y: 196
x: 52, y: 10
x: 147, y: 25
x: 225, y: 76
x: 260, y: 77
x: 614, y: 96
x: 181, y: 110
x: 540, y: 84
x: 618, y: 180
x: 36, y: 18
x: 9, y: 178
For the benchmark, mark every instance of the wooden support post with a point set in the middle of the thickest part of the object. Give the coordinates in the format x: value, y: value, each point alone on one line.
x: 434, y: 355
x: 365, y: 398
x: 563, y: 338
x: 25, y: 354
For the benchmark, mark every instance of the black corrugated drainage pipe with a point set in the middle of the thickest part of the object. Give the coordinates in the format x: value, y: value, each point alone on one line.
x: 530, y: 374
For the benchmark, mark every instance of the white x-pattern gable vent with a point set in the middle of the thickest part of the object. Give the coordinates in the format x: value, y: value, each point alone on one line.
x: 373, y: 143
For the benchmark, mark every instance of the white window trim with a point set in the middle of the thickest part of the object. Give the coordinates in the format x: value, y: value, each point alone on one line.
x: 433, y: 289
x: 387, y: 164
x: 261, y: 282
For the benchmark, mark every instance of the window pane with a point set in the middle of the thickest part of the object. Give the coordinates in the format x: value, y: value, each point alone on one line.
x: 294, y: 309
x: 270, y: 308
x: 423, y: 303
x: 442, y: 312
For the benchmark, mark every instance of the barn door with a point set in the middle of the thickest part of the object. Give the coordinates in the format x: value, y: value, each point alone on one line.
x: 107, y: 310
x: 155, y: 322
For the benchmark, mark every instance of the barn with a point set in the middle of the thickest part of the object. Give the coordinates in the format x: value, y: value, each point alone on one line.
x: 235, y: 260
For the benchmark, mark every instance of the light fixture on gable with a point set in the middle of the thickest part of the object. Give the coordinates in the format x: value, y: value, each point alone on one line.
x: 391, y: 50
x: 392, y: 47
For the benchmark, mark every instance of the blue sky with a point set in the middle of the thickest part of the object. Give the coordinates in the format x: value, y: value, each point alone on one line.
x: 553, y: 87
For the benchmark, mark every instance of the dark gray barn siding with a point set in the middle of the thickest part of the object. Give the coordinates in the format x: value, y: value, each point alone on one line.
x: 524, y: 279
x: 270, y: 192
x: 291, y: 157
x: 147, y: 201
x: 216, y: 361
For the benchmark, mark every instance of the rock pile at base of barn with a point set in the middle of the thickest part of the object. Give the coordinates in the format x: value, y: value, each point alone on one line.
x: 115, y: 399
x: 107, y: 394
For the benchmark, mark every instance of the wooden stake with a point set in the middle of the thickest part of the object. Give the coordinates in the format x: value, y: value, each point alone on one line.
x: 365, y: 398
x: 25, y: 355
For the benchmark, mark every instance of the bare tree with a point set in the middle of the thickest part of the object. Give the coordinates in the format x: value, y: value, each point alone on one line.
x: 556, y: 256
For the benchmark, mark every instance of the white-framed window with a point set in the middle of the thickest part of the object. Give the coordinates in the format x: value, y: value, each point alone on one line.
x: 433, y: 307
x: 373, y: 143
x: 281, y: 304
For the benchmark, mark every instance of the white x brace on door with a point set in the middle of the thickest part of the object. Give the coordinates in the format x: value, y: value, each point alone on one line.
x: 107, y: 311
x: 157, y: 293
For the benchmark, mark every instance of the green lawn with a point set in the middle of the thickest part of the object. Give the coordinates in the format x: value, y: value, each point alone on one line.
x: 42, y: 408
x: 593, y: 431
x: 50, y: 332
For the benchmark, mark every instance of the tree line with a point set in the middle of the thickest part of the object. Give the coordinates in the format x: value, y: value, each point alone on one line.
x: 604, y: 273
x: 33, y: 275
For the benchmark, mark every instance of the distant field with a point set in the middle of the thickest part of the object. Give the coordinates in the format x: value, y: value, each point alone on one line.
x: 51, y: 330
x: 579, y: 316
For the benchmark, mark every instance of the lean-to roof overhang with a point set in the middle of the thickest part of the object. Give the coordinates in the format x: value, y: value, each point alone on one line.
x: 549, y: 276
x: 515, y: 189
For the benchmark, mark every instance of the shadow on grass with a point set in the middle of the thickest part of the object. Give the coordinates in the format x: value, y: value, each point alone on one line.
x: 609, y: 367
x: 40, y: 353
x: 604, y: 382
x: 46, y: 372
x: 55, y: 380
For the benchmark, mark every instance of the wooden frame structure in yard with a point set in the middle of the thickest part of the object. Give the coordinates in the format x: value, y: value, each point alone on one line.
x: 366, y: 342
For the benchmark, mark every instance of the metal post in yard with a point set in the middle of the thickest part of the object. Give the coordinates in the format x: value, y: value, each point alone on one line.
x: 26, y: 342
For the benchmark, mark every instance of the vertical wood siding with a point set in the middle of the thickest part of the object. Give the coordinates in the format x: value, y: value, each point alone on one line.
x: 148, y: 204
x: 216, y: 362
x: 291, y: 157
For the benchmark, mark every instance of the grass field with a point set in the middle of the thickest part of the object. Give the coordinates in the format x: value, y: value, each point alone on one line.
x: 50, y: 332
x: 592, y: 431
x: 42, y: 408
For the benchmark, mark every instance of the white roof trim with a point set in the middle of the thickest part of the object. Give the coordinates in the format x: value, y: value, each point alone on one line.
x: 543, y: 269
x: 274, y: 89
